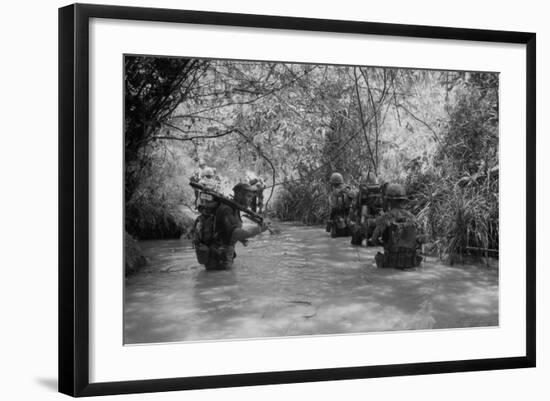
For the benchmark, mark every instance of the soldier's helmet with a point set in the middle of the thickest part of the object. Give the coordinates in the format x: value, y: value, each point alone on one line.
x: 208, y: 172
x: 243, y: 187
x: 336, y: 178
x: 372, y: 179
x: 396, y: 192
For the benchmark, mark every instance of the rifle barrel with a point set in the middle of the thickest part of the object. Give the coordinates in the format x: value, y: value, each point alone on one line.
x: 222, y: 198
x: 249, y: 214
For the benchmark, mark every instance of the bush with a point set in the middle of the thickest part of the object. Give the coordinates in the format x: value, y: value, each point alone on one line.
x: 458, y: 214
x: 133, y: 257
x: 456, y: 195
x: 153, y: 209
x: 304, y: 201
x: 156, y: 221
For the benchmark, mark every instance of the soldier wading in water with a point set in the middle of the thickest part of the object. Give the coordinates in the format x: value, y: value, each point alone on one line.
x: 398, y: 230
x: 340, y: 199
x: 257, y: 203
x: 367, y: 206
x: 219, y: 227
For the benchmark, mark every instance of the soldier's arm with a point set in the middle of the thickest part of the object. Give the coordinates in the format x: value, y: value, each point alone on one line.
x: 242, y: 234
x: 229, y: 223
x: 260, y: 196
x: 378, y: 230
x: 232, y: 224
x: 375, y: 234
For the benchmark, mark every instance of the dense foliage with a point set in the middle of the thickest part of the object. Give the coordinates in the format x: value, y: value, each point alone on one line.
x: 154, y: 87
x: 295, y: 124
x: 133, y: 258
x: 456, y: 197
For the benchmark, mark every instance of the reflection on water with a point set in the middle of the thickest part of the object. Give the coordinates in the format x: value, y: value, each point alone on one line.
x: 299, y: 282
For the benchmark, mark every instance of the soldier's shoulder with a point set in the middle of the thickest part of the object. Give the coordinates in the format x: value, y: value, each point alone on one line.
x: 348, y: 189
x: 394, y: 213
x: 384, y: 218
x: 402, y: 214
x: 224, y: 209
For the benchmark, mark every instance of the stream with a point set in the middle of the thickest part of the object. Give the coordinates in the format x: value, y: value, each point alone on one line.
x: 298, y: 282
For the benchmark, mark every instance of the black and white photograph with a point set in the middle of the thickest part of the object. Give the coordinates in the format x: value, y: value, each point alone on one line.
x: 268, y: 199
x: 273, y: 201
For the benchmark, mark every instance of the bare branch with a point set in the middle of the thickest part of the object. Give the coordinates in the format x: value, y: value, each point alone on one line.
x: 178, y: 138
x: 363, y: 125
x: 435, y: 135
x: 268, y: 93
x: 376, y: 123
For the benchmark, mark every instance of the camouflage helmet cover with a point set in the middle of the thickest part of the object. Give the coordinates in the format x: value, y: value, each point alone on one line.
x: 396, y: 192
x: 243, y: 187
x: 368, y: 178
x: 208, y: 172
x: 336, y: 178
x: 372, y: 179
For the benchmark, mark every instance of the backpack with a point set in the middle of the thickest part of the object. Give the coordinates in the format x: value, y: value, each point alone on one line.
x: 204, y: 230
x: 344, y: 199
x: 400, y: 243
x: 402, y: 234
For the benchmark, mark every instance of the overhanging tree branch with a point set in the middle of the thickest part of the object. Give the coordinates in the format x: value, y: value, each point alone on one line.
x: 435, y: 135
x: 268, y: 93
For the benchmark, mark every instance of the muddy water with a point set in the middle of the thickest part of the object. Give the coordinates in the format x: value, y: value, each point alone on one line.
x: 299, y: 282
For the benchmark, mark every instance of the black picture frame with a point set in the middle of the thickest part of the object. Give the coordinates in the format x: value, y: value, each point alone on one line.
x: 74, y: 198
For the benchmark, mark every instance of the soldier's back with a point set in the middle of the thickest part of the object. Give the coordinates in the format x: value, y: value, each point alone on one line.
x: 399, y: 234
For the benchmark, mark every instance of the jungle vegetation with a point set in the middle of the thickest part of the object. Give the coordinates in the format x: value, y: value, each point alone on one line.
x: 294, y: 124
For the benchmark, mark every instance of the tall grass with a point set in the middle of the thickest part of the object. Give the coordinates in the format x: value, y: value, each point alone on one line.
x: 459, y: 214
x: 304, y: 201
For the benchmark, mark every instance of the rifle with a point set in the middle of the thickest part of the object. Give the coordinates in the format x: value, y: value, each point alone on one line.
x: 249, y: 214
